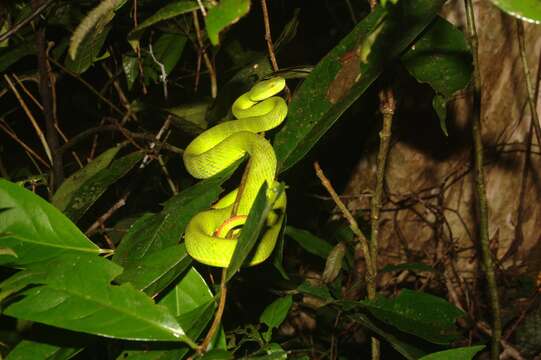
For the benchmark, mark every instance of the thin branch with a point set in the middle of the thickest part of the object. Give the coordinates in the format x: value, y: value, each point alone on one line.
x: 206, y: 58
x: 25, y: 21
x: 24, y: 146
x: 103, y: 218
x: 480, y: 190
x: 217, y: 316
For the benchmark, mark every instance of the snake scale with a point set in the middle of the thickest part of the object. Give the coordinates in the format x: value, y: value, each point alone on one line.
x: 215, y: 149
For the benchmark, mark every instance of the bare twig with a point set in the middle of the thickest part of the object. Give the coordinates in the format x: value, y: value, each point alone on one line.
x: 103, y: 218
x: 206, y: 58
x: 480, y: 190
x: 25, y: 21
x: 217, y: 316
x: 24, y: 146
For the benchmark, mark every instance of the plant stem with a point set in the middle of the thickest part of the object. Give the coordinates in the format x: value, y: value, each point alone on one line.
x: 480, y: 190
x: 218, y: 315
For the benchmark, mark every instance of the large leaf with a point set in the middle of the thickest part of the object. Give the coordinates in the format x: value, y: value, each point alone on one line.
x: 155, y: 272
x: 28, y: 349
x: 89, y: 51
x: 155, y: 232
x: 34, y: 229
x: 440, y: 57
x: 463, y: 353
x: 309, y: 242
x: 193, y: 305
x: 11, y: 55
x: 75, y: 293
x: 424, y: 315
x: 345, y: 73
x: 93, y: 188
x: 275, y: 313
x: 528, y: 10
x: 226, y: 13
x: 65, y: 192
x: 169, y: 11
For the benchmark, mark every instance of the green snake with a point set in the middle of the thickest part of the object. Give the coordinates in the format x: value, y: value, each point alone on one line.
x: 256, y: 111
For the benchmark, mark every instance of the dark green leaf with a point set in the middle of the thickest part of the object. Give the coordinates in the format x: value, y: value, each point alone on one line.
x: 321, y: 292
x: 92, y: 189
x: 464, y: 353
x: 88, y: 52
x: 70, y: 186
x: 341, y: 77
x: 226, y: 13
x: 217, y: 354
x: 28, y: 349
x: 154, y: 232
x: 156, y: 271
x: 439, y: 104
x: 441, y: 58
x: 75, y: 294
x: 527, y: 10
x: 409, y: 351
x: 251, y: 230
x: 11, y: 55
x: 424, y: 315
x: 273, y: 352
x: 169, y: 11
x: 131, y: 70
x: 168, y: 50
x: 311, y: 243
x: 34, y: 229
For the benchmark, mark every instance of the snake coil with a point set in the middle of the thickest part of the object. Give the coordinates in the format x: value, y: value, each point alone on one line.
x: 214, y: 150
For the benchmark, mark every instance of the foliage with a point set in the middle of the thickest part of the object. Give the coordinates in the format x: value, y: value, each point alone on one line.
x: 101, y: 271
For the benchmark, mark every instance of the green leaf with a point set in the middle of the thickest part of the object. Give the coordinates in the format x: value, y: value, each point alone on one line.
x: 28, y: 349
x: 439, y: 104
x: 93, y: 188
x: 226, y: 13
x: 441, y: 58
x: 340, y: 78
x: 169, y: 11
x: 168, y: 50
x: 311, y: 243
x: 70, y: 186
x: 417, y: 267
x: 275, y: 313
x: 321, y: 292
x: 273, y: 352
x: 155, y: 272
x: 155, y: 232
x: 404, y: 347
x: 34, y: 229
x: 527, y: 10
x: 75, y: 294
x: 131, y: 70
x: 217, y: 354
x: 463, y: 353
x: 424, y: 315
x: 251, y: 229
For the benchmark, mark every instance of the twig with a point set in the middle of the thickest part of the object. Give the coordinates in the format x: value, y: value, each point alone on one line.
x: 102, y: 219
x: 25, y: 21
x: 508, y: 348
x: 480, y: 190
x: 527, y: 76
x: 208, y: 63
x: 163, y: 73
x: 121, y: 95
x: 352, y: 12
x: 351, y: 220
x: 202, y: 8
x: 25, y: 147
x: 217, y: 316
x: 33, y: 121
x: 45, y: 85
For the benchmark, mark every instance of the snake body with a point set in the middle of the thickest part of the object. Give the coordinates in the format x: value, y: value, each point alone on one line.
x: 214, y: 150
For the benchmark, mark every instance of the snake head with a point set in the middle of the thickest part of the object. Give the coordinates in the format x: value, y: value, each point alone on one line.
x: 267, y: 88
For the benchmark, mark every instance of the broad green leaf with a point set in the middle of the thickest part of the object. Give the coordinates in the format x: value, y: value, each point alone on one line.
x: 251, y: 229
x: 311, y: 243
x: 87, y: 194
x: 34, y: 229
x: 28, y: 349
x: 169, y: 11
x: 193, y: 305
x: 156, y: 271
x: 131, y: 70
x: 463, y: 353
x: 424, y: 315
x: 273, y: 352
x: 155, y: 232
x: 417, y: 267
x: 404, y: 347
x: 65, y: 192
x: 441, y: 58
x: 75, y: 294
x: 167, y: 51
x: 12, y: 54
x: 340, y: 78
x: 275, y: 313
x: 190, y: 118
x: 527, y: 10
x: 334, y: 262
x: 226, y: 13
